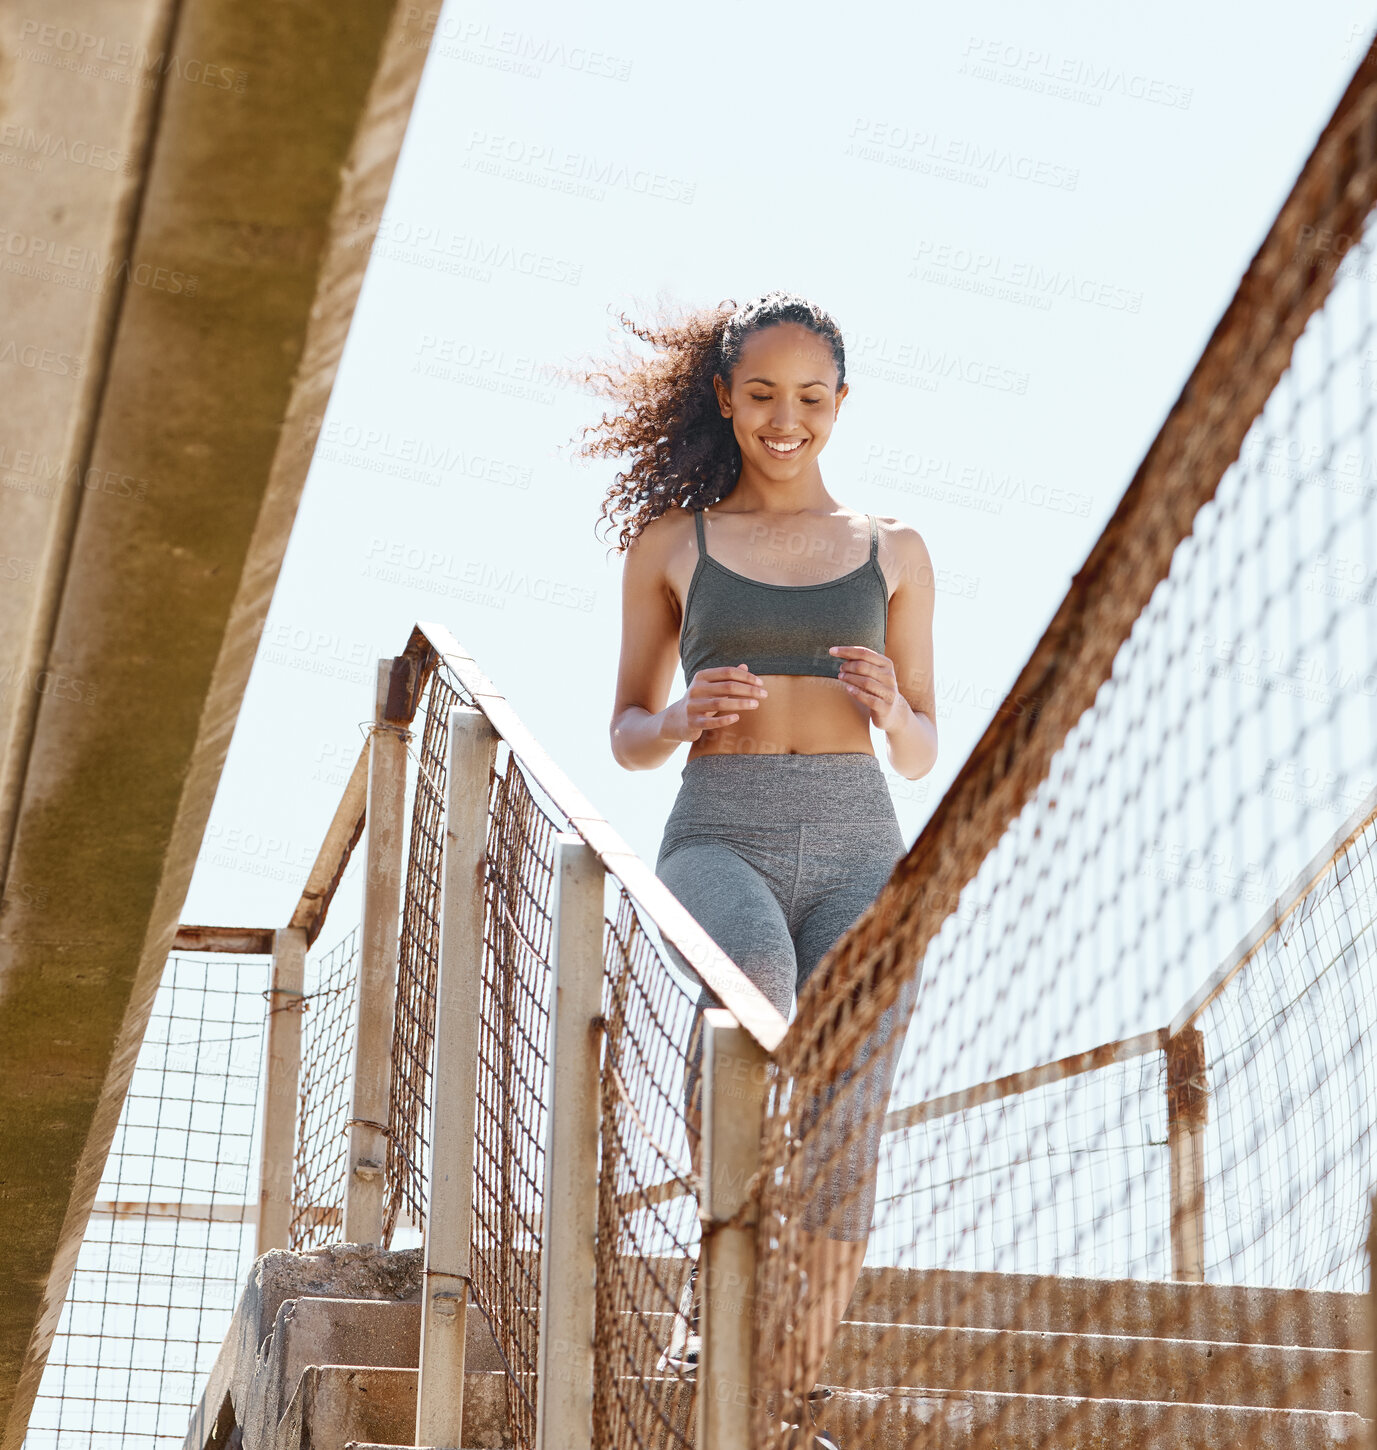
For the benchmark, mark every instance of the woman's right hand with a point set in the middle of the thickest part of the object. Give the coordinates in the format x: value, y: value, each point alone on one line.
x: 715, y: 697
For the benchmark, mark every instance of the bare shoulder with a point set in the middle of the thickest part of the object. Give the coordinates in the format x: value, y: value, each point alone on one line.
x: 904, y: 555
x: 659, y: 561
x: 655, y: 546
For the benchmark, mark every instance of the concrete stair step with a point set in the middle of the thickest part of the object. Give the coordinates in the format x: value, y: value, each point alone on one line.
x: 1207, y: 1372
x: 653, y: 1412
x: 1140, y: 1308
x: 360, y: 1333
x: 985, y: 1420
x: 373, y: 1332
x: 339, y: 1405
x: 1099, y: 1366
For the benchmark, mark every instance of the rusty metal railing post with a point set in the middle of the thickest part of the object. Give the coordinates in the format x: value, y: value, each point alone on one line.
x: 281, y: 1085
x: 568, y: 1264
x: 1372, y: 1319
x: 454, y: 1082
x: 376, y: 998
x: 734, y: 1083
x: 1188, y: 1104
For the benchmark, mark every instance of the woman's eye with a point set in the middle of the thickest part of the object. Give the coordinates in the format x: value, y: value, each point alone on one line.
x: 761, y: 397
x: 812, y: 400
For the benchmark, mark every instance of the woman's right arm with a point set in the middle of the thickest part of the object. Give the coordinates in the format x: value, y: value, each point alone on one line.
x: 645, y: 730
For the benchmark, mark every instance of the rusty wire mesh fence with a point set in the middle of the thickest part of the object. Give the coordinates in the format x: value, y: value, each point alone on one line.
x: 418, y: 955
x: 1188, y: 1143
x: 513, y: 1014
x: 165, y: 1252
x: 648, y: 1230
x: 1291, y: 1078
x: 513, y: 1075
x: 1068, y: 1177
x: 321, y: 1160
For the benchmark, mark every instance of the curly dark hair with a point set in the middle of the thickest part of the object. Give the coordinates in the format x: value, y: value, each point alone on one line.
x: 683, y: 452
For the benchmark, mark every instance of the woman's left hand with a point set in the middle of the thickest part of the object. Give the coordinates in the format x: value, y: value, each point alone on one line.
x: 869, y: 678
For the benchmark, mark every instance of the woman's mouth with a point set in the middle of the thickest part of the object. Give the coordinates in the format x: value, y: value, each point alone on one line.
x: 783, y: 447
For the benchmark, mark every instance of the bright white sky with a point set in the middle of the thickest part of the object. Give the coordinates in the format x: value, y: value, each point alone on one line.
x: 1111, y: 170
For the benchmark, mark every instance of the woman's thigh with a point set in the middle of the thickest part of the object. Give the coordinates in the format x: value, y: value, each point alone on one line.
x: 734, y: 903
x: 843, y: 865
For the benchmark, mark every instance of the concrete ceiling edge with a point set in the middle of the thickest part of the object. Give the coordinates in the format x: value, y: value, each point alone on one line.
x: 364, y: 185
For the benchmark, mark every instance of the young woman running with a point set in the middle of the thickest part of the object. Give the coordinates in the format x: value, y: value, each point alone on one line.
x: 800, y: 625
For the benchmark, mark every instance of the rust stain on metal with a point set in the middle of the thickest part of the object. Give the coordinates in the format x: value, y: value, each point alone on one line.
x: 254, y: 941
x: 410, y: 671
x: 1188, y: 1095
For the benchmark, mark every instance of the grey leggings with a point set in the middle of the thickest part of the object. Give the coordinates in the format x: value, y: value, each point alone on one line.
x: 776, y: 856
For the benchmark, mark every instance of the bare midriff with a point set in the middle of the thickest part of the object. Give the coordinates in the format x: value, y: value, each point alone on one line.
x: 801, y: 715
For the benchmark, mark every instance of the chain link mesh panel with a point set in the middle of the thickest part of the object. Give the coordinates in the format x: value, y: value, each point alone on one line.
x: 165, y: 1253
x: 647, y: 1196
x: 513, y: 1073
x: 322, y: 1145
x: 1291, y: 1087
x: 1163, y: 1249
x: 648, y: 1231
x: 418, y: 957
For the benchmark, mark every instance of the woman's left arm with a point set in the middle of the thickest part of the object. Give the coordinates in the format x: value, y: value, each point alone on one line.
x: 897, y: 687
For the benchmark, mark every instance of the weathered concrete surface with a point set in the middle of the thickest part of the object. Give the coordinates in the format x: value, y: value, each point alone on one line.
x: 254, y: 145
x: 279, y: 1278
x: 1237, y: 1314
x: 339, y: 1405
x: 74, y: 150
x: 372, y: 1334
x: 1063, y: 1304
x: 1100, y: 1366
x: 347, y: 1305
x: 882, y: 1420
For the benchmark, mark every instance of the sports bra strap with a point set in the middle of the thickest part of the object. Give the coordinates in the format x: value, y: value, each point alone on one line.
x: 698, y: 524
x: 874, y: 539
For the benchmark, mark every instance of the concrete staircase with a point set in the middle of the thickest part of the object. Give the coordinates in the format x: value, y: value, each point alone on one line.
x: 323, y: 1350
x: 954, y: 1359
x: 322, y: 1354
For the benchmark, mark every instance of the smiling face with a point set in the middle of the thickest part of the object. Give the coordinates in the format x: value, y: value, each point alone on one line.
x: 783, y: 399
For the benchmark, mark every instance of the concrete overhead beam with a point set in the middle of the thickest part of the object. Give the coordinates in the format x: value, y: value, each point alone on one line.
x: 188, y: 193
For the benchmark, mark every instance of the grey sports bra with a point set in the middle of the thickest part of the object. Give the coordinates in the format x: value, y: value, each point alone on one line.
x: 780, y: 629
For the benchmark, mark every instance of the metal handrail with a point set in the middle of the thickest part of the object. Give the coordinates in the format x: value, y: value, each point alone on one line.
x: 431, y: 644
x: 733, y: 989
x: 1015, y: 1083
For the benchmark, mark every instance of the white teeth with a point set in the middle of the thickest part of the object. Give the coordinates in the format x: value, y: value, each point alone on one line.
x: 782, y: 447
